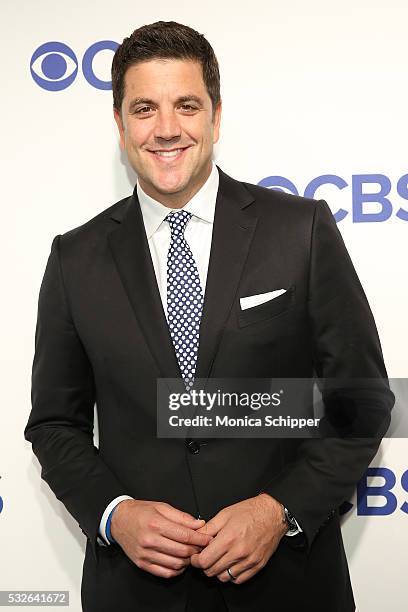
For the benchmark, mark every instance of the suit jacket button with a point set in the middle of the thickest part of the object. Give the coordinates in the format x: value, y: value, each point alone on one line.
x: 193, y: 446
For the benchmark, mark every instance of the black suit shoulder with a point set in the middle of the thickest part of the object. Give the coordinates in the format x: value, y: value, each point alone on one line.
x: 95, y: 224
x: 82, y: 243
x: 281, y: 202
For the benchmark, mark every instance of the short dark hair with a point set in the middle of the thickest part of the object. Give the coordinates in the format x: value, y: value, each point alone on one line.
x: 165, y: 40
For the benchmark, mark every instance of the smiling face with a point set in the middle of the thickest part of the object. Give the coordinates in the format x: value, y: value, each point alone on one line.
x: 167, y: 128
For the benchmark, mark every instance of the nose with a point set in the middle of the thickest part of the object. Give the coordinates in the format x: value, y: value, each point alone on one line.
x: 167, y: 125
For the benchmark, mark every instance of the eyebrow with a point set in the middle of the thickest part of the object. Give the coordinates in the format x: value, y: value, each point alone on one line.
x: 181, y: 100
x: 191, y: 98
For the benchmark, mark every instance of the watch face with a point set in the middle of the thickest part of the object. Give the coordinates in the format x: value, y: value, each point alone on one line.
x: 291, y: 521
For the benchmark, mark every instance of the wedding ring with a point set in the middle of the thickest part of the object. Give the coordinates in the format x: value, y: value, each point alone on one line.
x: 231, y: 575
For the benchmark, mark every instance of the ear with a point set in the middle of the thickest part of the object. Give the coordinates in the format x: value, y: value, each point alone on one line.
x: 217, y: 122
x: 121, y: 129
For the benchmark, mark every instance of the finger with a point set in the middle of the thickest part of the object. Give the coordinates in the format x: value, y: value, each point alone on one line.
x: 175, y: 549
x: 167, y: 561
x: 180, y: 517
x: 194, y: 560
x: 178, y: 533
x: 240, y: 575
x: 228, y: 561
x: 158, y: 570
x: 213, y: 526
x: 211, y: 554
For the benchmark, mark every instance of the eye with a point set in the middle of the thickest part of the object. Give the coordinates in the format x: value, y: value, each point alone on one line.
x: 188, y: 107
x: 54, y: 66
x: 143, y: 110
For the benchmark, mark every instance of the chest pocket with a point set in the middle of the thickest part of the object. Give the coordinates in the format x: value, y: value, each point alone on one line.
x: 268, y: 310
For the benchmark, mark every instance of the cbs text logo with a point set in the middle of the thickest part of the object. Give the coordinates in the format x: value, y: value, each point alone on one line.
x: 370, y: 201
x: 378, y: 499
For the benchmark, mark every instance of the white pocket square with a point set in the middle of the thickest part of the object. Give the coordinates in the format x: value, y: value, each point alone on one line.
x: 254, y: 300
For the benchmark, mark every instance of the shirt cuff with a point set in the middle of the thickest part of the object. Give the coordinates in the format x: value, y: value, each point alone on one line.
x: 104, y: 541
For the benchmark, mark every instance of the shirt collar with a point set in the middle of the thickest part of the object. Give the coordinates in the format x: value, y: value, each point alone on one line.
x: 201, y: 205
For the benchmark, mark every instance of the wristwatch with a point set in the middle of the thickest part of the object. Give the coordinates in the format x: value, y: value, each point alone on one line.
x: 290, y: 521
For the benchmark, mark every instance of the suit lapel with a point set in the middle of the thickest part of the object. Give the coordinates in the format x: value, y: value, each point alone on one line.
x: 131, y: 253
x: 233, y: 231
x: 232, y: 234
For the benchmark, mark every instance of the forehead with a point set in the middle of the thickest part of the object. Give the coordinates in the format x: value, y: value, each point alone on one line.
x: 164, y: 76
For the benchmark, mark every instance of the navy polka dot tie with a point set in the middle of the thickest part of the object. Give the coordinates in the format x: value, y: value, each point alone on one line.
x: 184, y: 297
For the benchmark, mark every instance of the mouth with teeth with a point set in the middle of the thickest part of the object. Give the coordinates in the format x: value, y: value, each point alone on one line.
x: 170, y: 155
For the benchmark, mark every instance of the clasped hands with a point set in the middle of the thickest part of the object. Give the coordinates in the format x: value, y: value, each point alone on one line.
x: 163, y: 540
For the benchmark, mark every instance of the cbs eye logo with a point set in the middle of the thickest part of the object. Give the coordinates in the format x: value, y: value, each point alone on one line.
x: 54, y: 65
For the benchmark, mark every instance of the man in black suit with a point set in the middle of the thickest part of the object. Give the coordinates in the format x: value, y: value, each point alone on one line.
x: 155, y: 287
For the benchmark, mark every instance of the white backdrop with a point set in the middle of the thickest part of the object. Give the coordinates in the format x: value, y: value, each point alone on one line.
x: 309, y: 89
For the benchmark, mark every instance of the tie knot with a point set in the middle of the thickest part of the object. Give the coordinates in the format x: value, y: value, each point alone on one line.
x: 178, y: 221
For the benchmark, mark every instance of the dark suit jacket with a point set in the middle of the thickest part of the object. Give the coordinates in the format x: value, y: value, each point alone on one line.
x: 102, y: 337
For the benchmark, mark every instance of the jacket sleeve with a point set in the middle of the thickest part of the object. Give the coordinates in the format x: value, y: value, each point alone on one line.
x: 60, y: 425
x: 346, y: 348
